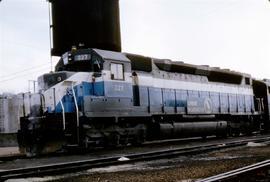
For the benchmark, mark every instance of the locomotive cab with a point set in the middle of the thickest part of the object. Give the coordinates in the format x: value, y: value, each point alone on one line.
x: 93, y: 80
x: 112, y: 87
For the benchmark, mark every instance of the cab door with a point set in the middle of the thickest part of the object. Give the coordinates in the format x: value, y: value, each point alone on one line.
x: 97, y: 79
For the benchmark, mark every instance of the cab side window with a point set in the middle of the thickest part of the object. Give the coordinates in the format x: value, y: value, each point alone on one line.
x: 117, y: 71
x: 97, y: 64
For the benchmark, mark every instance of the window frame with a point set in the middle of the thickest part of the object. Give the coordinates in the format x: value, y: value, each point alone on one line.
x: 247, y: 81
x: 123, y: 71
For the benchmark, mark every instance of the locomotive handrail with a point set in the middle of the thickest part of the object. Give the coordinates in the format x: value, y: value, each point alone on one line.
x: 77, y: 109
x: 63, y: 113
x: 76, y: 103
x: 42, y: 100
x: 262, y: 104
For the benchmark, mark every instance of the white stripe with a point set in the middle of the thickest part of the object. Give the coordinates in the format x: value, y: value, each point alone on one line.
x: 61, y: 88
x: 196, y: 86
x: 76, y: 79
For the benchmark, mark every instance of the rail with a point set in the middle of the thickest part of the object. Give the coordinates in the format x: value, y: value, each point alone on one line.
x: 236, y: 175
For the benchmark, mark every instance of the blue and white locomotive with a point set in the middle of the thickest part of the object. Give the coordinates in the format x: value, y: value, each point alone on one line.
x: 105, y: 98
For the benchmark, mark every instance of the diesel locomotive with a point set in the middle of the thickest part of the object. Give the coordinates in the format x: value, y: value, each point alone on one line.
x: 105, y: 98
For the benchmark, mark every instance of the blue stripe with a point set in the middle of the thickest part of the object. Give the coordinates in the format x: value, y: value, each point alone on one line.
x: 81, y: 90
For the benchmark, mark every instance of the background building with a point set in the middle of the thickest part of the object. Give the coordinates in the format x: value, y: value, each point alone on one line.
x: 9, y: 119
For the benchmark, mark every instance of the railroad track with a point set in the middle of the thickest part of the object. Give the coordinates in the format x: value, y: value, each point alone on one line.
x: 255, y: 172
x: 13, y: 157
x: 8, y: 158
x: 67, y: 167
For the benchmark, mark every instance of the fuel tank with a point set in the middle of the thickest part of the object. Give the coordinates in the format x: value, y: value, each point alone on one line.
x: 196, y: 128
x: 85, y: 24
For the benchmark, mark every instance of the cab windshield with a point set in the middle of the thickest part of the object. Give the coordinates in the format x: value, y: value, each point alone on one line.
x: 80, y: 62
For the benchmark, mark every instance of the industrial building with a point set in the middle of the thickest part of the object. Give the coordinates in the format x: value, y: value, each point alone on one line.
x: 9, y: 118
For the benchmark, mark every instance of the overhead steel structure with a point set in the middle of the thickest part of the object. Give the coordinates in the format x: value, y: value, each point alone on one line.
x: 85, y: 24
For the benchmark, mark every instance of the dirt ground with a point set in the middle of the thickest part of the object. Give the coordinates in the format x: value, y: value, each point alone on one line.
x: 187, y: 168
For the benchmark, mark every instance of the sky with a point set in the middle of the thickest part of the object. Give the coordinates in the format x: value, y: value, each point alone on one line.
x: 232, y: 34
